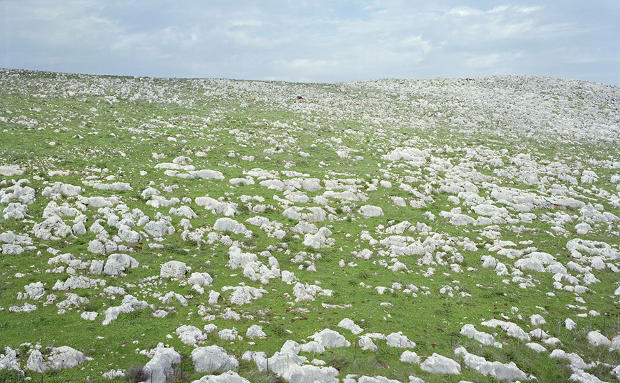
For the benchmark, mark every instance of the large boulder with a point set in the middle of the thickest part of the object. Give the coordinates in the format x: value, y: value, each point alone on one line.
x: 161, y: 364
x: 330, y: 339
x: 173, y: 269
x: 227, y: 377
x: 371, y: 211
x: 213, y: 358
x: 64, y: 357
x: 439, y: 364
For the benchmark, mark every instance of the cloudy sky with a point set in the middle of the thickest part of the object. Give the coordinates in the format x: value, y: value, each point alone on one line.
x: 314, y: 40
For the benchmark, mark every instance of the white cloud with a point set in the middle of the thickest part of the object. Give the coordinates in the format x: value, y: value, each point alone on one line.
x: 246, y: 23
x: 528, y: 9
x: 311, y: 40
x: 417, y: 42
x: 464, y: 11
x: 483, y: 61
x: 498, y: 9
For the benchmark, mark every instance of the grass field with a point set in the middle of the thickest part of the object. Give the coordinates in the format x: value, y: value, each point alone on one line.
x: 515, y: 171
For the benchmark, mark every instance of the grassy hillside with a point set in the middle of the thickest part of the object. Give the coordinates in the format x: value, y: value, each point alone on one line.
x: 447, y: 202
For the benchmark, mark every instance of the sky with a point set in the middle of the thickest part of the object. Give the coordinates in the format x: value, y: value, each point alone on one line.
x: 315, y: 40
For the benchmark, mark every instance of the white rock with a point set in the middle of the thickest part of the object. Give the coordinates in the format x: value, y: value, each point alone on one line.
x: 15, y: 210
x: 113, y: 374
x: 366, y: 343
x: 312, y: 346
x: 583, y: 377
x: 597, y: 339
x: 583, y: 228
x: 226, y: 377
x: 190, y: 335
x: 397, y: 339
x: 212, y: 358
x: 439, y: 364
x: 314, y: 214
x: 409, y: 357
x: 529, y: 264
x: 78, y: 282
x: 588, y: 177
x: 174, y: 166
x: 116, y: 186
x: 500, y: 371
x: 348, y: 324
x: 372, y: 379
x: 183, y: 211
x: 200, y: 279
x: 35, y: 362
x: 310, y: 374
x: 415, y: 156
x: 96, y: 246
x: 171, y: 296
x: 89, y: 315
x: 319, y: 240
x: 230, y: 225
x: 34, y: 291
x: 158, y: 229
x: 214, y: 296
x: 470, y: 331
x: 157, y: 201
x: 9, y: 360
x: 128, y: 235
x: 575, y: 360
x: 117, y: 263
x: 173, y: 269
x: 330, y: 339
x: 511, y: 329
x: 96, y: 266
x: 307, y: 292
x: 11, y: 170
x: 536, y: 347
x: 461, y: 220
x: 371, y: 211
x: 161, y: 363
x: 537, y: 320
x: 207, y: 174
x: 129, y: 304
x: 228, y: 209
x: 10, y: 249
x: 17, y: 193
x: 228, y: 334
x: 98, y: 201
x: 64, y: 357
x: 255, y: 331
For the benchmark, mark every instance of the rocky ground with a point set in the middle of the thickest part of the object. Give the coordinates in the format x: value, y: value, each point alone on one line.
x: 229, y: 231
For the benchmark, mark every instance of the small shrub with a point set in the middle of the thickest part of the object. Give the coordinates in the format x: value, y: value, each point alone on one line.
x: 243, y: 209
x: 175, y: 249
x: 137, y: 374
x: 249, y: 242
x: 178, y: 374
x: 11, y: 376
x: 338, y: 362
x: 277, y: 329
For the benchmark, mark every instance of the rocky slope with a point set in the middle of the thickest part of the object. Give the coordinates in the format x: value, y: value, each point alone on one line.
x: 231, y: 231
